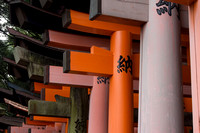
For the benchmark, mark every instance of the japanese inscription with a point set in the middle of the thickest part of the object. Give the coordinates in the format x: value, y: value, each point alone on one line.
x: 165, y: 6
x: 124, y: 65
x: 101, y: 80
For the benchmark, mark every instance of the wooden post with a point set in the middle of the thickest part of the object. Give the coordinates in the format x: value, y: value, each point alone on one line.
x: 116, y: 64
x: 161, y: 99
x: 75, y: 108
x: 194, y: 27
x: 120, y: 93
x: 79, y: 110
x: 98, y: 110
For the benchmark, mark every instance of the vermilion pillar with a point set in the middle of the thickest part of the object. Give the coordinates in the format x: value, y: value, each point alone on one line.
x: 121, y: 85
x: 98, y: 110
x: 161, y: 104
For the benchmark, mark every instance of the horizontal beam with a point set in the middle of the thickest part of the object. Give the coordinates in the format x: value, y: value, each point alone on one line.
x: 79, y: 21
x: 35, y: 45
x: 28, y: 121
x: 73, y: 41
x: 54, y: 75
x: 49, y: 94
x: 57, y: 77
x: 30, y: 17
x: 49, y: 119
x: 37, y: 87
x: 23, y: 57
x: 16, y: 105
x: 23, y: 92
x: 47, y: 108
x: 183, y: 2
x: 89, y: 64
x: 6, y: 91
x: 12, y: 121
x: 135, y: 13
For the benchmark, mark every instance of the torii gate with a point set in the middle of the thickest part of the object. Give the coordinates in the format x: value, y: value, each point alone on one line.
x: 194, y: 31
x: 168, y: 88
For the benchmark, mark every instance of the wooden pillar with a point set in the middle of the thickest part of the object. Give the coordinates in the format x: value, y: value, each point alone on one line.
x: 161, y: 101
x: 79, y: 110
x: 194, y: 28
x: 98, y: 110
x: 121, y: 85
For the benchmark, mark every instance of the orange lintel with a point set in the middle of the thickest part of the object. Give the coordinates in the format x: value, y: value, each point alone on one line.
x: 183, y: 2
x: 99, y: 51
x: 81, y: 62
x: 49, y: 94
x: 38, y: 123
x: 50, y: 119
x: 74, y: 41
x: 90, y: 64
x: 80, y: 21
x: 38, y: 87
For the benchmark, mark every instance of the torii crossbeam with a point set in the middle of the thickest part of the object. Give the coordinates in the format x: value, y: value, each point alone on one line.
x: 116, y: 64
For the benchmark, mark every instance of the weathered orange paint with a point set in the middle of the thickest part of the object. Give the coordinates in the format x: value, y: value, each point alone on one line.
x: 50, y: 96
x: 38, y: 87
x: 38, y: 123
x: 74, y: 41
x: 80, y: 21
x: 50, y: 93
x: 100, y: 51
x: 121, y: 87
x: 91, y: 63
x: 50, y: 119
x: 57, y: 77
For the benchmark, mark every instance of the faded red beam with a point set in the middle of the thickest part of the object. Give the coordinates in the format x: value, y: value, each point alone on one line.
x: 54, y: 75
x: 73, y: 41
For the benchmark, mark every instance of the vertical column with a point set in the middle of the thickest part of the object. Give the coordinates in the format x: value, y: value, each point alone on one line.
x: 194, y: 27
x: 98, y: 110
x: 79, y: 110
x: 121, y: 85
x: 161, y: 101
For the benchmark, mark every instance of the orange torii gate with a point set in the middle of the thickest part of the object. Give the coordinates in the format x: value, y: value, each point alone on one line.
x: 116, y: 64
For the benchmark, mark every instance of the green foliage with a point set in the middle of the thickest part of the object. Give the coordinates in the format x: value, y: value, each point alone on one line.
x: 5, y: 106
x: 29, y: 33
